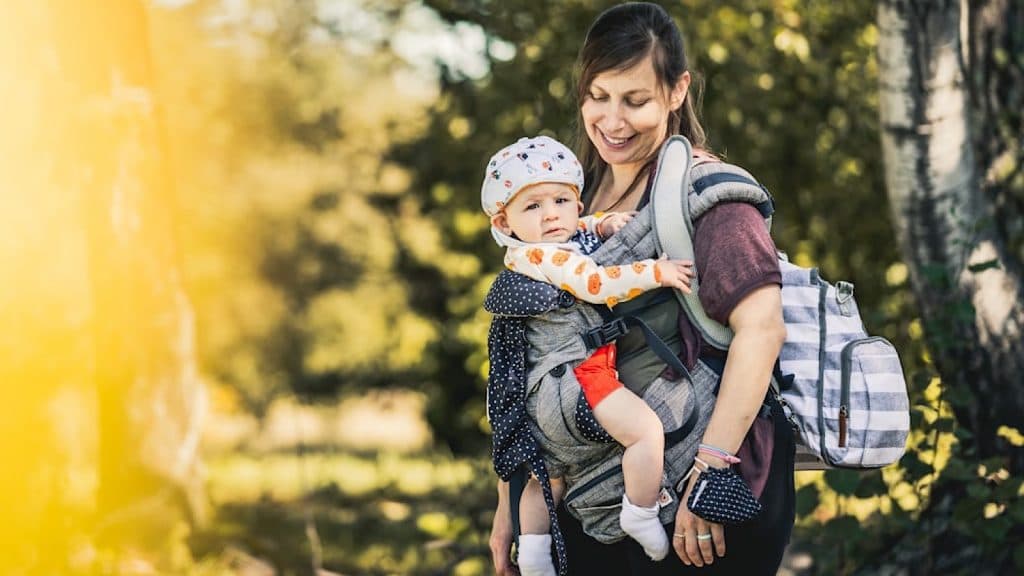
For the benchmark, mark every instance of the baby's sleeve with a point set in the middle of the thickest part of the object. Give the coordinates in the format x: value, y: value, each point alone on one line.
x: 581, y: 276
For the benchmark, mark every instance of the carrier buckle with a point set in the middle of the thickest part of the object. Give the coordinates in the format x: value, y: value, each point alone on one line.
x: 605, y: 334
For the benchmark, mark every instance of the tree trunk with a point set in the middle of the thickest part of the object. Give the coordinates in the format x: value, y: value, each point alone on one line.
x: 950, y: 221
x: 149, y: 396
x: 950, y: 110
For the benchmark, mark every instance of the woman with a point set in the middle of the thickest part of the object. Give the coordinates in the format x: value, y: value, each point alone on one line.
x: 634, y: 92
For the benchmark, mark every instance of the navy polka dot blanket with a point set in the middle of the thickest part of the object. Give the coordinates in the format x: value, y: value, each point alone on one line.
x: 514, y: 298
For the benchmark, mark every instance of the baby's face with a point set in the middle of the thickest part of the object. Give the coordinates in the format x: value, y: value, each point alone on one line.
x: 545, y: 212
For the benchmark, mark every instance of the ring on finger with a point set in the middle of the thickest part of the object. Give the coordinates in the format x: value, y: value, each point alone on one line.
x: 679, y: 535
x: 704, y: 536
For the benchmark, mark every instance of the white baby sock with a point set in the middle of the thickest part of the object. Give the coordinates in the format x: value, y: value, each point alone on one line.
x: 643, y: 525
x: 535, y: 555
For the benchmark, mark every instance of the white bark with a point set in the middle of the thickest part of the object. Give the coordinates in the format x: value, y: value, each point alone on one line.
x: 929, y: 165
x: 943, y: 210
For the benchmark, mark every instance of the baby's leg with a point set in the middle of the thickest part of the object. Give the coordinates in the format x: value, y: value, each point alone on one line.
x: 534, y: 556
x: 633, y: 424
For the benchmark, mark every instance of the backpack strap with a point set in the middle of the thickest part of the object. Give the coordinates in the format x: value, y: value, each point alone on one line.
x: 681, y: 194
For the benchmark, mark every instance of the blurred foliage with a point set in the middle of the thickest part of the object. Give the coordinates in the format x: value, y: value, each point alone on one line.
x: 295, y: 225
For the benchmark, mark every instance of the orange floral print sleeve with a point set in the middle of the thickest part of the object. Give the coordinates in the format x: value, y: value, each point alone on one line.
x: 581, y: 276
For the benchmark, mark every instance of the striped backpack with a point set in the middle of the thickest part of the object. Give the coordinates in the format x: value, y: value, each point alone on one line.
x: 844, y: 391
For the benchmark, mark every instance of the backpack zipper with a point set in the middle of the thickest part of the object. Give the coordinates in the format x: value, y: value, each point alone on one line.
x: 592, y: 482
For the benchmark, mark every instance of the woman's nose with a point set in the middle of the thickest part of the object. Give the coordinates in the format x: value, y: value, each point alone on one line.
x: 613, y: 119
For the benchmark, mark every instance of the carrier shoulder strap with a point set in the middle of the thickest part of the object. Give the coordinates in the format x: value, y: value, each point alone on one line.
x: 682, y: 193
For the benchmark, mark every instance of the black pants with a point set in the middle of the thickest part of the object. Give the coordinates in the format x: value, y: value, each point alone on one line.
x: 752, y: 548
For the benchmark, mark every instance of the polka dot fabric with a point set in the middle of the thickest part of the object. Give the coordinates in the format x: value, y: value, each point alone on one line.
x: 513, y: 443
x: 587, y: 424
x: 722, y: 497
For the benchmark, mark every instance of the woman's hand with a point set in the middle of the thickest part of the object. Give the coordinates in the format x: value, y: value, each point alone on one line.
x: 690, y: 540
x: 501, y: 535
x: 674, y: 274
x: 614, y: 222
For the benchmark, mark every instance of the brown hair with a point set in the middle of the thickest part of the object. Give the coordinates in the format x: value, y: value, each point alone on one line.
x: 620, y: 38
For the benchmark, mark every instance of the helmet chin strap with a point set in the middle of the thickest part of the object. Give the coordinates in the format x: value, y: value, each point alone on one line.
x: 511, y: 242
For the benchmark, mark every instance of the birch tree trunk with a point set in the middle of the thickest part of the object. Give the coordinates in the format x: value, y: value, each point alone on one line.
x: 953, y: 178
x: 950, y: 103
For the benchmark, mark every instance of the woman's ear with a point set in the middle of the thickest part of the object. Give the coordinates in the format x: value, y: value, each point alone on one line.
x: 500, y: 221
x: 678, y: 95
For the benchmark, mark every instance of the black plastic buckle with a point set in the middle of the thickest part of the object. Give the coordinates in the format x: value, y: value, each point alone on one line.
x: 605, y: 333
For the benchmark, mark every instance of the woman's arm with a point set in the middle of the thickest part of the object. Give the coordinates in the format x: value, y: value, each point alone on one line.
x: 741, y: 287
x: 501, y: 535
x: 758, y: 335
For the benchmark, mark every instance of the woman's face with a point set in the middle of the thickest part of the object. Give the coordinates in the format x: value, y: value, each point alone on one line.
x: 626, y: 112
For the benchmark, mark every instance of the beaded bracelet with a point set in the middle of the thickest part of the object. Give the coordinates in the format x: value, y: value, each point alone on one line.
x: 718, y: 452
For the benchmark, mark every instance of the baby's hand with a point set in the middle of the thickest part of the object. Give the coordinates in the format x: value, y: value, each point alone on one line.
x: 675, y: 274
x: 614, y: 222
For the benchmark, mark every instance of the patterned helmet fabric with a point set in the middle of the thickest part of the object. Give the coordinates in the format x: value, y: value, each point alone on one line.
x: 528, y: 161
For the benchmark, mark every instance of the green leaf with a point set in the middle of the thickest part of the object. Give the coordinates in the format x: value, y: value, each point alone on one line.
x: 944, y: 424
x: 966, y: 513
x: 844, y: 529
x: 979, y: 490
x: 958, y: 470
x: 871, y: 485
x: 807, y: 500
x: 1016, y: 511
x: 994, y: 529
x: 1008, y: 489
x: 963, y: 434
x: 844, y: 482
x: 915, y: 467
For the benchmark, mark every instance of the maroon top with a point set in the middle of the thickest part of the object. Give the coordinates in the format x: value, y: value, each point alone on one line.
x: 734, y: 256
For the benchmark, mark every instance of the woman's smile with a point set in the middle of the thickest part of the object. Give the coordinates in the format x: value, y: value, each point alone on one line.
x: 615, y: 143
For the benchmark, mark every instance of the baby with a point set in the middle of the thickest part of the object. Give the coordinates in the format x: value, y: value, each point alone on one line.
x: 531, y: 193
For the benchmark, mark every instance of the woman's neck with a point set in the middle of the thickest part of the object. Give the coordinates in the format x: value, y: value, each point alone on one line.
x: 619, y: 189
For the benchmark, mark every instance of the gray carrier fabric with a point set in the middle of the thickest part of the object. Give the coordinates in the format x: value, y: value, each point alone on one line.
x: 593, y: 470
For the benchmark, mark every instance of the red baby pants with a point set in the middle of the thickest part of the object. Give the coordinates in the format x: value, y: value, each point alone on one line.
x: 597, y: 375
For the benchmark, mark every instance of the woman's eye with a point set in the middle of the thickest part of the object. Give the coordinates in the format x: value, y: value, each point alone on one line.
x: 598, y: 97
x: 637, y: 103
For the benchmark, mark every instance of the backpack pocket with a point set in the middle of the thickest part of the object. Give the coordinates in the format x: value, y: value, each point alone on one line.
x: 869, y: 420
x: 595, y: 499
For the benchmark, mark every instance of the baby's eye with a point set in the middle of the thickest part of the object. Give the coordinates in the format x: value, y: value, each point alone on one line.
x: 562, y: 200
x: 532, y: 206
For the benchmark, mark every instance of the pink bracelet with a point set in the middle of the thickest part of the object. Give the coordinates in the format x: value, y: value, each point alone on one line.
x: 719, y: 453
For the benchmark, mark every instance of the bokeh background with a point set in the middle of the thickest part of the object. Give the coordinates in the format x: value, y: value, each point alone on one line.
x: 243, y: 265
